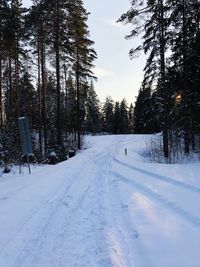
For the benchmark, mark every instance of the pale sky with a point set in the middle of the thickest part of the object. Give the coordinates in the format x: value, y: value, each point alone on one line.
x: 118, y: 76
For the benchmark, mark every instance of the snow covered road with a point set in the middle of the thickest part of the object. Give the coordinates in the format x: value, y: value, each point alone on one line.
x: 102, y: 209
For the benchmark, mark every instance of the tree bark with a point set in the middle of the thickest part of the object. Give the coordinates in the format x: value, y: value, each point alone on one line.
x: 43, y: 87
x: 17, y: 75
x: 1, y: 94
x: 39, y: 95
x: 185, y: 79
x: 78, y: 121
x: 163, y: 82
x: 57, y: 51
x: 10, y: 115
x: 78, y: 109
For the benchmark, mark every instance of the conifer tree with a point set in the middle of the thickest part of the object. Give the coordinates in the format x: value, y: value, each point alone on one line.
x: 93, y: 119
x: 131, y: 118
x: 70, y: 104
x: 108, y: 115
x: 82, y: 53
x: 123, y: 123
x: 151, y: 18
x: 51, y: 34
x: 116, y: 118
x: 4, y: 11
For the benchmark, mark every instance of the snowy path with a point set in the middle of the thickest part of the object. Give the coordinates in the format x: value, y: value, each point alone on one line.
x: 102, y: 209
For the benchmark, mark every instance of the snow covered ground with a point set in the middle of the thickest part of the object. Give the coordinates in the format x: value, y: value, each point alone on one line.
x: 102, y: 209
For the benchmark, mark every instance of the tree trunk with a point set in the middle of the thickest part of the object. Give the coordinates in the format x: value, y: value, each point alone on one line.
x: 17, y: 76
x: 163, y: 82
x: 185, y: 79
x: 65, y: 122
x: 39, y: 95
x: 1, y: 95
x: 78, y: 127
x: 43, y: 93
x: 43, y: 88
x: 57, y: 51
x: 78, y: 121
x: 10, y: 115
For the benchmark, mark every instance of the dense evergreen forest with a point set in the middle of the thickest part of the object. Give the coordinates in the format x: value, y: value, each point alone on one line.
x: 46, y: 74
x: 169, y: 98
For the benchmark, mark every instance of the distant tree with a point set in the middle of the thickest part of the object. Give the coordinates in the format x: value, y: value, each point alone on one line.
x: 108, y: 115
x: 146, y: 112
x: 116, y: 118
x: 131, y: 118
x: 123, y: 122
x: 93, y: 119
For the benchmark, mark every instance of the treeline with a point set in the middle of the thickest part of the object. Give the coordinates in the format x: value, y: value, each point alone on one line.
x: 108, y: 117
x: 46, y: 61
x: 169, y: 98
x: 117, y: 117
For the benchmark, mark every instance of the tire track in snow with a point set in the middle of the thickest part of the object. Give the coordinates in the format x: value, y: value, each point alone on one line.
x: 32, y: 237
x: 159, y: 177
x: 125, y: 230
x: 59, y: 213
x: 78, y: 234
x: 54, y: 229
x: 35, y: 231
x: 90, y: 217
x: 123, y: 239
x: 102, y: 161
x: 114, y: 239
x: 172, y: 206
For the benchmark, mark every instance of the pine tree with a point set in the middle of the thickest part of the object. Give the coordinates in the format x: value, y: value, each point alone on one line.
x: 17, y: 27
x: 116, y: 118
x: 55, y: 32
x: 4, y: 11
x: 131, y: 118
x: 151, y: 18
x: 70, y: 105
x: 147, y: 112
x: 108, y: 115
x: 185, y: 57
x: 92, y: 124
x: 123, y: 123
x: 82, y: 53
x: 37, y: 33
x: 26, y: 101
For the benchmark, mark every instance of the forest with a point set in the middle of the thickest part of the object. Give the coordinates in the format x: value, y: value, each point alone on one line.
x: 46, y: 74
x: 112, y: 182
x: 169, y: 97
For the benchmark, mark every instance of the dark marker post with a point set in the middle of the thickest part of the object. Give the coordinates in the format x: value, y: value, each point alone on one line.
x: 25, y: 138
x: 126, y: 152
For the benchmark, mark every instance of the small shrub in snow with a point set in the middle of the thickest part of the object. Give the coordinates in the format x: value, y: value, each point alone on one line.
x: 176, y: 149
x: 72, y: 153
x: 7, y: 169
x: 52, y: 158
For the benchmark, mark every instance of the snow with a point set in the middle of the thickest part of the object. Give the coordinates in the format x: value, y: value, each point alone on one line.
x: 102, y: 208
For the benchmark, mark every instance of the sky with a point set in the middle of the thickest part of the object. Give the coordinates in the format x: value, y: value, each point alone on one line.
x: 118, y: 76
